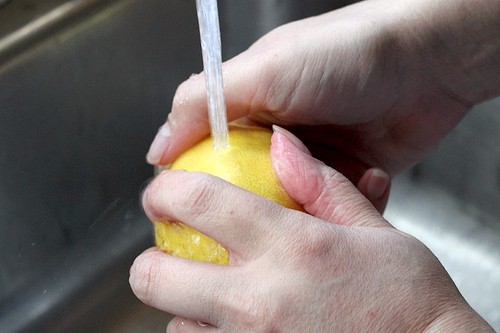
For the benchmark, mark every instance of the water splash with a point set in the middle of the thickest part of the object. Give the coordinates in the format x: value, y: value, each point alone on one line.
x: 208, y: 19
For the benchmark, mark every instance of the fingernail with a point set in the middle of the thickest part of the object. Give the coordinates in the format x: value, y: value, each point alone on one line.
x: 159, y: 144
x: 293, y: 139
x: 377, y: 184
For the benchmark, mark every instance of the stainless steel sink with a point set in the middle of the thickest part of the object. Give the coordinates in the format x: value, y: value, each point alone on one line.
x: 451, y: 202
x: 84, y: 85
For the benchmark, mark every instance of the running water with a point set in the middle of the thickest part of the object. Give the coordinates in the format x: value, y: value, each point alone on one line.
x: 208, y: 19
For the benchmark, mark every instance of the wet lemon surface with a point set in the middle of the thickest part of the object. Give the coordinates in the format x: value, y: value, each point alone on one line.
x: 245, y: 163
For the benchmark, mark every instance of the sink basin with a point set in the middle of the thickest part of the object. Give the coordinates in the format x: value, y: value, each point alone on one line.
x: 84, y: 86
x: 451, y: 202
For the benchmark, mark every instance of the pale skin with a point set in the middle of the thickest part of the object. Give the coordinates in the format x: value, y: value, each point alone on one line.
x: 370, y: 87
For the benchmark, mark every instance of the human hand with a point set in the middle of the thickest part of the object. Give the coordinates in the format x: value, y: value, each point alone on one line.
x: 370, y: 85
x: 340, y: 268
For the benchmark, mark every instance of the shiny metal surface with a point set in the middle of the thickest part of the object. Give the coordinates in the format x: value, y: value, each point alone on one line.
x: 80, y: 101
x: 79, y: 107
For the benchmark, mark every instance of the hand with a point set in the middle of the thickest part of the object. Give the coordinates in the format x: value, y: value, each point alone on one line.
x: 370, y: 85
x: 342, y: 268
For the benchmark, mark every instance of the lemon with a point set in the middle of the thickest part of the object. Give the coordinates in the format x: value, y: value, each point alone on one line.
x: 245, y: 163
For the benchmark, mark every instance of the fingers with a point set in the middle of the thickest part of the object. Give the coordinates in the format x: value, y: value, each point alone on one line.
x: 258, y: 83
x: 233, y: 216
x: 375, y: 186
x: 324, y: 192
x: 174, y: 285
x: 188, y: 120
x: 373, y: 183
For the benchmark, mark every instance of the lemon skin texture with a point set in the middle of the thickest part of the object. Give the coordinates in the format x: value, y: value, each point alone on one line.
x: 245, y: 163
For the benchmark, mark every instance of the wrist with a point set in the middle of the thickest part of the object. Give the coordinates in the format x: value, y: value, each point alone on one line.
x: 457, y: 42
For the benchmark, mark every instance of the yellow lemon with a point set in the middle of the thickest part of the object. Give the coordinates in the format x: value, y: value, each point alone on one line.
x: 247, y: 164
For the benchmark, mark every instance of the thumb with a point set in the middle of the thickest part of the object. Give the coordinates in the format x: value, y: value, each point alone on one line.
x: 322, y: 191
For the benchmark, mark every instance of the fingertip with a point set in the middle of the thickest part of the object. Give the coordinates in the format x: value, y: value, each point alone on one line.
x: 375, y: 186
x: 159, y: 145
x: 293, y: 165
x: 147, y: 198
x: 282, y: 133
x: 141, y: 272
x: 187, y: 122
x: 380, y: 182
x: 321, y: 190
x: 282, y: 150
x: 144, y: 200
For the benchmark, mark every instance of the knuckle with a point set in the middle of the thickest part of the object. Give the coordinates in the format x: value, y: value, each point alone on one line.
x: 337, y: 180
x: 310, y: 244
x: 252, y: 309
x: 261, y: 319
x: 197, y: 194
x: 251, y: 317
x: 180, y: 194
x: 339, y: 201
x: 154, y: 196
x: 314, y: 248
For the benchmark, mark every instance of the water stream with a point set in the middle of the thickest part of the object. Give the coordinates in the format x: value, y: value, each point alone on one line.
x: 208, y: 18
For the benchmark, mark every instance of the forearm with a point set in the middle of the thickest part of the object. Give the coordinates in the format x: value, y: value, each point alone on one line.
x: 458, y: 42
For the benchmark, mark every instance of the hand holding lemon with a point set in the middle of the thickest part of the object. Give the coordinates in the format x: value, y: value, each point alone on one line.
x: 341, y: 258
x: 245, y: 163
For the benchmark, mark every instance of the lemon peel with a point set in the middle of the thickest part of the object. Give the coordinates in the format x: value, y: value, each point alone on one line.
x: 245, y: 163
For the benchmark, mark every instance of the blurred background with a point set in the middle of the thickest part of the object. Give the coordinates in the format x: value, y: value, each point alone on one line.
x: 84, y: 86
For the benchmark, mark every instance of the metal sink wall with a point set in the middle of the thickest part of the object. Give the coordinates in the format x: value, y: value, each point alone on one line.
x: 81, y: 97
x: 451, y: 202
x: 83, y: 89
